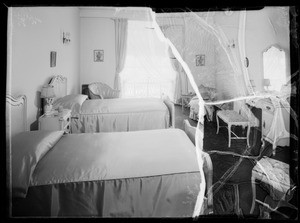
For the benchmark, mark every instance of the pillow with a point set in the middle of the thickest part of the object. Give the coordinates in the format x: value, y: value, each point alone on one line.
x: 27, y: 149
x: 72, y: 102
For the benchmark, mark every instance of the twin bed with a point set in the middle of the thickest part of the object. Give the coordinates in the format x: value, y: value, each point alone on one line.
x: 95, y: 174
x: 113, y: 115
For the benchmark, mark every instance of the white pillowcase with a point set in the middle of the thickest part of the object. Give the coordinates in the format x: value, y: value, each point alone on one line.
x: 72, y: 102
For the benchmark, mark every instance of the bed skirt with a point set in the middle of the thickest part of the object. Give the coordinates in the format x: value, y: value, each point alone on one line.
x: 124, y: 122
x: 172, y: 195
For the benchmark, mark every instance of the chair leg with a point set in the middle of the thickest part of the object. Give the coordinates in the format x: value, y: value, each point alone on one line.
x: 253, y: 194
x: 229, y: 135
x: 248, y: 134
x: 217, y: 123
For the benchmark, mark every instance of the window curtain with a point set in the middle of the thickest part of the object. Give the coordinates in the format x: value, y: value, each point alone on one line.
x: 120, y: 48
x: 148, y: 70
x: 178, y: 85
x: 175, y: 33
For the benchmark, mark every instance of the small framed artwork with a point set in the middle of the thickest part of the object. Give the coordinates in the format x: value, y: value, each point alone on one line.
x: 52, y: 59
x: 98, y: 55
x: 200, y: 60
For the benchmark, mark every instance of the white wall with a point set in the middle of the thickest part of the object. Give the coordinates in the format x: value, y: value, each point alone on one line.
x: 191, y: 39
x: 97, y: 34
x: 200, y: 42
x: 264, y: 28
x: 32, y: 34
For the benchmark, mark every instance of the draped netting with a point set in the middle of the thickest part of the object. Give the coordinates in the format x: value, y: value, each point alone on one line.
x: 198, y: 53
x: 204, y: 47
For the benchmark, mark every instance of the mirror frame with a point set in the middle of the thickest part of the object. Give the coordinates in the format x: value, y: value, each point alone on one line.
x: 286, y: 61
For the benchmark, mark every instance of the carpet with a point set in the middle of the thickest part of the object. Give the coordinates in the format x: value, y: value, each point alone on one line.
x: 232, y: 174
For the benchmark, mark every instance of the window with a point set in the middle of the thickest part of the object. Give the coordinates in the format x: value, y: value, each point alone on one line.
x: 148, y: 71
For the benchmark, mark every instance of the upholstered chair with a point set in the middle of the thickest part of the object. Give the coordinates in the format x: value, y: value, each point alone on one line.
x: 100, y: 90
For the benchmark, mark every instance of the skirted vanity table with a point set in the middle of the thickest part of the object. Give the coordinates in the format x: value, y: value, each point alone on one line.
x: 274, y: 122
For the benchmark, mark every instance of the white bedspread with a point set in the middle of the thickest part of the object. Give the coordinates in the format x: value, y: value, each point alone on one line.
x: 119, y: 115
x: 103, y: 156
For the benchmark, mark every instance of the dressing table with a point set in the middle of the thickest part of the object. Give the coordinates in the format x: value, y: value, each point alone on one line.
x: 274, y: 121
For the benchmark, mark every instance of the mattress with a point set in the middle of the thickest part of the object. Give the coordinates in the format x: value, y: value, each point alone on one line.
x: 119, y: 115
x: 150, y: 173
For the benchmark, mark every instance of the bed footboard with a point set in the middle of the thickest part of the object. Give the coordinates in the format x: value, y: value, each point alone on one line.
x: 171, y: 107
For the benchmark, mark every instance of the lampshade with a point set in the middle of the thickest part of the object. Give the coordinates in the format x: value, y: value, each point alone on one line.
x: 267, y: 82
x: 47, y: 91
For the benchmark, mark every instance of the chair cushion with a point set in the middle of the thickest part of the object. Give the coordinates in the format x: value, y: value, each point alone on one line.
x: 231, y: 116
x: 275, y: 174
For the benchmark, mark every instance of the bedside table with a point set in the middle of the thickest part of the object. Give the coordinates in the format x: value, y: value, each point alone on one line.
x: 185, y: 99
x: 56, y: 121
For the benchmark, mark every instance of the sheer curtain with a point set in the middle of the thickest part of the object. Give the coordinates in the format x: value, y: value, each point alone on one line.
x: 203, y: 45
x: 179, y: 81
x: 121, y: 43
x: 176, y: 34
x: 148, y: 70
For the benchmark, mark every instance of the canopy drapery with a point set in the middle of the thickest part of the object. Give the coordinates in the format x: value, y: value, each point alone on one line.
x: 148, y: 70
x: 235, y: 54
x: 179, y: 53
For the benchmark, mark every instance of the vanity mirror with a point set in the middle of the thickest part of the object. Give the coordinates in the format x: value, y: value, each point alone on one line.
x: 275, y: 68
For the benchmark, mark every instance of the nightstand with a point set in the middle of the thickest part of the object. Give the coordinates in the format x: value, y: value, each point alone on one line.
x: 56, y: 121
x: 185, y: 99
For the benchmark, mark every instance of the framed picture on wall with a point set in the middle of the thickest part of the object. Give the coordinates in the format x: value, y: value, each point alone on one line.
x: 98, y: 55
x: 52, y: 59
x: 200, y: 60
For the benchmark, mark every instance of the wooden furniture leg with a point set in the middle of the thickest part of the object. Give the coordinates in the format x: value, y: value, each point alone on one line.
x: 253, y: 194
x: 248, y: 134
x: 208, y: 172
x: 229, y: 135
x: 217, y: 117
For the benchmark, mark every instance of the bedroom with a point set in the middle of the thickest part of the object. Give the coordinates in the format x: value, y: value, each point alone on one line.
x: 38, y: 31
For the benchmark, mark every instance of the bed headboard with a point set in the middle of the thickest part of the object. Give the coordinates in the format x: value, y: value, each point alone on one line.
x: 16, y: 115
x: 60, y: 86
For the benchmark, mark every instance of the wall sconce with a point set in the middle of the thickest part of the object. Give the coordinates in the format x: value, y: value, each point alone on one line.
x: 231, y: 44
x: 66, y: 37
x: 252, y: 84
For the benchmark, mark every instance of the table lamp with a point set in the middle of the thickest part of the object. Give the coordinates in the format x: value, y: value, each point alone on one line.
x: 48, y: 93
x: 267, y: 83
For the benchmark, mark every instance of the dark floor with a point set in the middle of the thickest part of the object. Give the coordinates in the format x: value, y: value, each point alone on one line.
x: 232, y: 174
